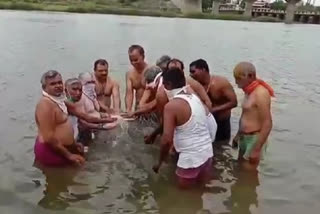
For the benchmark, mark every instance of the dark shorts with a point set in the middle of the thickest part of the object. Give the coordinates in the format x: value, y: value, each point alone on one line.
x: 224, y: 130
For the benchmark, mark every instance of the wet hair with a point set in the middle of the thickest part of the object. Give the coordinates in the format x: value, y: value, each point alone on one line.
x: 175, y: 77
x: 200, y: 64
x: 48, y: 75
x: 174, y: 60
x: 151, y: 73
x: 165, y: 59
x: 100, y: 62
x: 136, y: 47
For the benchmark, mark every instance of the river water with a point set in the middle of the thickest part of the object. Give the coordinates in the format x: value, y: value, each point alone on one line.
x: 117, y: 178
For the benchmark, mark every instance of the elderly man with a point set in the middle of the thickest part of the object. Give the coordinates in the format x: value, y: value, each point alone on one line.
x: 187, y: 127
x: 106, y: 87
x: 73, y: 88
x: 256, y: 120
x: 55, y: 144
x: 134, y: 78
x: 163, y: 61
x: 89, y: 103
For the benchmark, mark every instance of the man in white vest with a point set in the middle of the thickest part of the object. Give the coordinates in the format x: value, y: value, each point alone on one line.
x: 190, y: 128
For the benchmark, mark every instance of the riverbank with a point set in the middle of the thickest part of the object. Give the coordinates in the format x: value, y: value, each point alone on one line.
x: 95, y: 7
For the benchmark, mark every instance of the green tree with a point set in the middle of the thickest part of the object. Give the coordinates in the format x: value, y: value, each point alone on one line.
x: 278, y: 5
x: 206, y: 4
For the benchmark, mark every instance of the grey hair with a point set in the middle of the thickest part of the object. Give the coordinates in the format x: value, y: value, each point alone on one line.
x: 84, y: 75
x: 163, y: 60
x: 48, y: 75
x: 151, y: 73
x: 72, y: 81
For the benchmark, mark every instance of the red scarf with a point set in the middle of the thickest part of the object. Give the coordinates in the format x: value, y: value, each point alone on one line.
x: 250, y: 88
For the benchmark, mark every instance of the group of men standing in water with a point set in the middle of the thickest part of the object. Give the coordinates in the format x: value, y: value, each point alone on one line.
x: 193, y: 112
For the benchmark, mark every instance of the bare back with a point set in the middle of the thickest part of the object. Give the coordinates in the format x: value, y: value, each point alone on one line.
x: 52, y: 122
x: 254, y: 108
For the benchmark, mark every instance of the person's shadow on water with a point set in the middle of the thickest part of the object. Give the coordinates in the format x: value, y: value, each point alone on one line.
x: 56, y: 193
x: 244, y: 182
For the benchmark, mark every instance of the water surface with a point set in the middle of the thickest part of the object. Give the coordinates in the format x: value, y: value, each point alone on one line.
x: 117, y: 177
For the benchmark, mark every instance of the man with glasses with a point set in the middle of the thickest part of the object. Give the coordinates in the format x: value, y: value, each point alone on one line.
x: 222, y: 96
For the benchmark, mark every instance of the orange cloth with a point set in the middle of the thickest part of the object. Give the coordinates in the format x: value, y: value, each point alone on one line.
x: 250, y: 88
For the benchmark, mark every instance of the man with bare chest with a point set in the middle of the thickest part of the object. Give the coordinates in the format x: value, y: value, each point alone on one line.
x: 106, y: 88
x: 256, y: 120
x: 55, y: 144
x: 221, y: 94
x: 134, y: 77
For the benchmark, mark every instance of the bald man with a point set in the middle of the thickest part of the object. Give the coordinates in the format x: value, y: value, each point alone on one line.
x: 256, y: 120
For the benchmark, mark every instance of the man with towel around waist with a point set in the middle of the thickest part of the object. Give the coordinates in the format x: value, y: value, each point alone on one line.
x: 186, y: 127
x: 55, y: 144
x: 256, y: 120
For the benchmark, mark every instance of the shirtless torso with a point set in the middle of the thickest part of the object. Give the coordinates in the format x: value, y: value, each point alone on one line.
x: 106, y: 90
x: 258, y: 101
x: 134, y: 81
x: 50, y: 118
x: 220, y: 92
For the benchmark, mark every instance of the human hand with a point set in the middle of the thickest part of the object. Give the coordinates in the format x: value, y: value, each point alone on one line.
x: 255, y: 156
x: 76, y: 159
x: 127, y: 114
x: 156, y: 168
x: 149, y: 139
x: 108, y: 126
x: 80, y: 147
x: 235, y: 141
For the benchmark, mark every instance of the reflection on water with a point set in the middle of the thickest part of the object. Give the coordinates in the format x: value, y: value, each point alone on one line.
x: 118, y: 176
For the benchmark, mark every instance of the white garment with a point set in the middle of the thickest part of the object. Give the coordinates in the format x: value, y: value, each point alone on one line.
x: 212, y: 126
x: 74, y: 122
x: 192, y: 140
x: 157, y: 81
x: 90, y: 91
x: 60, y: 101
x: 172, y: 93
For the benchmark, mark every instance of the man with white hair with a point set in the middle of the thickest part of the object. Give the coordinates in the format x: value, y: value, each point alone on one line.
x: 89, y: 103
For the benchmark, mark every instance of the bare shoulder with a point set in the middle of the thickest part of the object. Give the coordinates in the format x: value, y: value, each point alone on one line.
x: 45, y: 106
x: 173, y: 105
x: 114, y: 83
x: 129, y: 74
x: 261, y: 95
x: 161, y: 95
x: 221, y: 81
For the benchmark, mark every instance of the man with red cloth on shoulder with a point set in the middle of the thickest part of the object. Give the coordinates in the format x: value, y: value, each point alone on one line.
x: 256, y: 120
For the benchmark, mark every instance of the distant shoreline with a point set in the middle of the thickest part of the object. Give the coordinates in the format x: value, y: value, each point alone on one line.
x: 91, y: 7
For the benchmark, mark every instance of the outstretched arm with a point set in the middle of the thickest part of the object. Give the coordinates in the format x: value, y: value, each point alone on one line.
x: 169, y: 124
x: 72, y: 109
